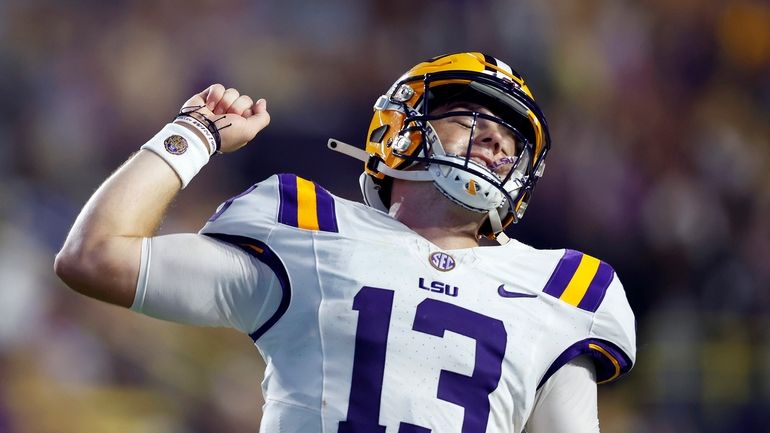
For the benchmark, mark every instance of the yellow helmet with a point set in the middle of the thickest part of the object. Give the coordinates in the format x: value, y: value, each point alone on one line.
x: 401, y: 142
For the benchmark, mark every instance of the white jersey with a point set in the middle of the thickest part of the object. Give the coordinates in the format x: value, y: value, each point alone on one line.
x: 365, y: 326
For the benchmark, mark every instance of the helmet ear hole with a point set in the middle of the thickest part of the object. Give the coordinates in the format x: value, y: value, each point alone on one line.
x: 378, y: 133
x: 376, y: 192
x: 384, y: 191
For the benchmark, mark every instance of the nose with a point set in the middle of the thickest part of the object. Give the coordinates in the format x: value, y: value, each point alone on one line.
x: 490, y: 135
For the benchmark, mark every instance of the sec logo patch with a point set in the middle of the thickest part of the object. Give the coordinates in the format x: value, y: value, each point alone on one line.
x: 442, y: 261
x: 175, y: 144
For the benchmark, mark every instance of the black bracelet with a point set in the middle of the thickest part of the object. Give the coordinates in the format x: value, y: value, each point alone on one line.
x: 194, y: 110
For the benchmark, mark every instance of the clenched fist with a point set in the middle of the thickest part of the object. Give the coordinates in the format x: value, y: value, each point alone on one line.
x: 245, y: 117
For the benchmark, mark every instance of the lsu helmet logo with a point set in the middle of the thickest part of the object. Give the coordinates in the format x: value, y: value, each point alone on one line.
x: 442, y: 261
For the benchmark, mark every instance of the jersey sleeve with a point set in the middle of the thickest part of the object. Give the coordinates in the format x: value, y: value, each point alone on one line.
x: 273, y: 223
x: 194, y: 279
x: 592, y: 287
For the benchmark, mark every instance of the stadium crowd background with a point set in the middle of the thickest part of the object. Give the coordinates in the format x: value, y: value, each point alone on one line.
x: 660, y: 117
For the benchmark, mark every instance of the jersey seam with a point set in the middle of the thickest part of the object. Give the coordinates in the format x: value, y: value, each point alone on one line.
x: 268, y: 238
x: 555, y: 302
x: 294, y: 404
x: 591, y: 335
x: 259, y: 325
x: 595, y: 313
x: 267, y: 242
x: 320, y: 333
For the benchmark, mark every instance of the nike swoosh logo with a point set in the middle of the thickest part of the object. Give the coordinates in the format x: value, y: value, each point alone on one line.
x: 506, y: 294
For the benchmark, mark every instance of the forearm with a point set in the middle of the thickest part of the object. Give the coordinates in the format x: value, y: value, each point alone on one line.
x: 100, y: 257
x: 131, y: 202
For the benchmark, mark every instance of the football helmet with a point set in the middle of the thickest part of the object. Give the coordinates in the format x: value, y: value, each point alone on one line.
x: 402, y: 141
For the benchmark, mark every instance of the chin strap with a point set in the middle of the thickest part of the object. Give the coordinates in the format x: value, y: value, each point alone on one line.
x: 497, y: 227
x: 346, y: 149
x: 361, y: 155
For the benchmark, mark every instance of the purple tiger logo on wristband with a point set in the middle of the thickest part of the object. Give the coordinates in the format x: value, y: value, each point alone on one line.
x: 175, y: 144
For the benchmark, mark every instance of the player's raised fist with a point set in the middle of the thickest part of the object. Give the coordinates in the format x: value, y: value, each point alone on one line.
x: 229, y: 107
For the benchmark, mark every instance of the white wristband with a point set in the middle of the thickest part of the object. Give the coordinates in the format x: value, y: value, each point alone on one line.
x: 181, y: 148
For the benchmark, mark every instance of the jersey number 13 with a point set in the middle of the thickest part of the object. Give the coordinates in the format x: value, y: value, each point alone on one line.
x: 433, y: 317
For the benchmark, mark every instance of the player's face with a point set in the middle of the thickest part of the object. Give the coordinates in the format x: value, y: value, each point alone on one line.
x: 493, y: 145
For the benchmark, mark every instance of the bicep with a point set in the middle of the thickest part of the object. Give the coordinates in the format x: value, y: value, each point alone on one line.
x: 567, y: 402
x: 194, y: 279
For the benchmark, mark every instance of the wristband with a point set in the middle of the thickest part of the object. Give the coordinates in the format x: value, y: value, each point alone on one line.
x: 181, y: 148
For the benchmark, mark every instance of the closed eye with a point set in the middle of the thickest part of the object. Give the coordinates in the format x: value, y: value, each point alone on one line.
x: 463, y: 122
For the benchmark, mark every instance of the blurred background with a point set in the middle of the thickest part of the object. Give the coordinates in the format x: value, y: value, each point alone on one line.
x: 660, y: 118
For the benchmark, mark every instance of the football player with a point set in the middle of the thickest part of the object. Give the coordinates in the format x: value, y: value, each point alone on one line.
x: 381, y: 317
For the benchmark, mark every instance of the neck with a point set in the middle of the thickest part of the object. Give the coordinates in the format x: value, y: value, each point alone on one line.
x: 422, y: 208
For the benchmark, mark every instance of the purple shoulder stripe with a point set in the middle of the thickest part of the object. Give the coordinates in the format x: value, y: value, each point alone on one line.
x: 287, y: 187
x: 327, y: 217
x: 563, y: 273
x: 598, y: 288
